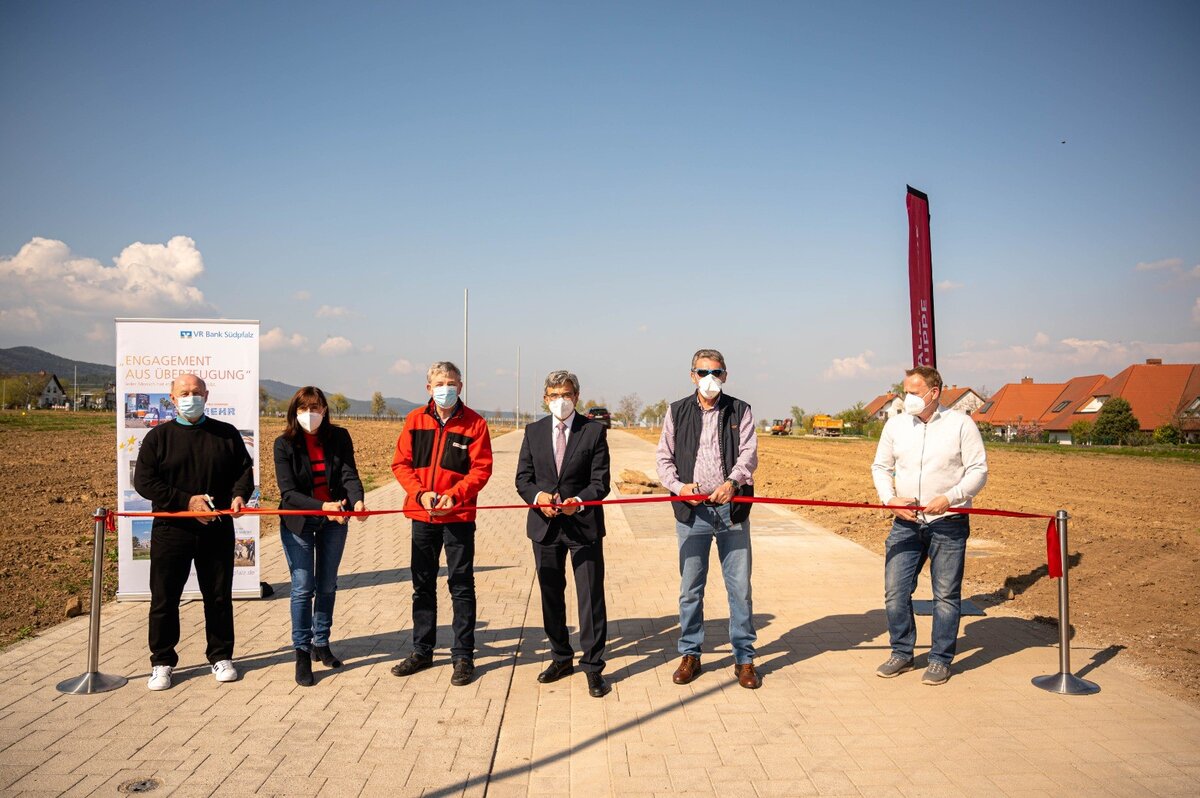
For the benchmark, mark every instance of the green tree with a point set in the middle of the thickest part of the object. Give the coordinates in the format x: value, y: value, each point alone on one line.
x: 986, y: 431
x: 378, y: 405
x: 855, y: 416
x: 655, y: 413
x: 1167, y: 435
x: 797, y: 416
x: 264, y: 399
x: 1115, y: 423
x: 339, y: 404
x: 628, y: 408
x: 1081, y: 432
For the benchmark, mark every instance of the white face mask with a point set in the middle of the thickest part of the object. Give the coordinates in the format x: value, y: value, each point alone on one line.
x: 709, y: 386
x: 309, y: 421
x: 561, y: 407
x: 915, y: 405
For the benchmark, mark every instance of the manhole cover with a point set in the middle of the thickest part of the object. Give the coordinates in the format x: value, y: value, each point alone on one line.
x: 139, y: 786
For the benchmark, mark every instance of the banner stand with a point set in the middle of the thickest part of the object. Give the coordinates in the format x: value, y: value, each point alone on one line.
x: 151, y: 353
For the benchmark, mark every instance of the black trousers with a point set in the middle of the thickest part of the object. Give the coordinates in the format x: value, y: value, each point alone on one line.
x: 587, y: 563
x: 172, y: 552
x: 458, y: 539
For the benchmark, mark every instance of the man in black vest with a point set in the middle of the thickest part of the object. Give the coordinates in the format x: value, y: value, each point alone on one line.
x: 564, y: 462
x: 709, y: 448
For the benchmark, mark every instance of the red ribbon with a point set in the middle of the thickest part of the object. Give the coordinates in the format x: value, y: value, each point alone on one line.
x: 1053, y: 553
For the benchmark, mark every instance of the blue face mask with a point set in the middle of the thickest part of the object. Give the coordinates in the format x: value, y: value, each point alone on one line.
x: 191, y: 408
x: 445, y: 396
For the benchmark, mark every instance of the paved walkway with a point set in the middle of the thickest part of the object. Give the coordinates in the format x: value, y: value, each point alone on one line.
x: 822, y: 724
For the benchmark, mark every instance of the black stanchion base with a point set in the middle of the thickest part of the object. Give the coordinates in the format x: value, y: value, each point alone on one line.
x: 1066, y: 684
x: 90, y: 683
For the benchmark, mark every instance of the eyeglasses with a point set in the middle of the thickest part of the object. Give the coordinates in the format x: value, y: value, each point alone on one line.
x: 718, y: 373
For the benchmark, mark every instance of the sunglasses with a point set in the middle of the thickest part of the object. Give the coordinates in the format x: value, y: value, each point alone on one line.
x: 718, y: 373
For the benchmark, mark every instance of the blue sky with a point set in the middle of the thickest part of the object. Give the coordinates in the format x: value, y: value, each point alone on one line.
x: 617, y: 185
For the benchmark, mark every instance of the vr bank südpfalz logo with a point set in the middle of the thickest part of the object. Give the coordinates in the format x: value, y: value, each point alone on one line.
x: 185, y: 333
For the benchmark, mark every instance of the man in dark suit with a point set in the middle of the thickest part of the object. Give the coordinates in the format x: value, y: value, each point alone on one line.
x: 563, y: 463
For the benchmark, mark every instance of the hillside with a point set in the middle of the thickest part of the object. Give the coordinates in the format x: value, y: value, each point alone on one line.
x: 28, y: 359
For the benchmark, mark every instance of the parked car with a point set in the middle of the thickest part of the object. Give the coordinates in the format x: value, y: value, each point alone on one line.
x: 600, y: 414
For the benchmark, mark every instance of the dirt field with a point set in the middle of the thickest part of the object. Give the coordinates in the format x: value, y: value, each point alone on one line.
x: 1134, y: 533
x: 1134, y: 538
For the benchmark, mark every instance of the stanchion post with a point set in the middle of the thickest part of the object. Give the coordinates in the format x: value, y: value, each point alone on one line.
x: 93, y: 681
x: 1064, y: 682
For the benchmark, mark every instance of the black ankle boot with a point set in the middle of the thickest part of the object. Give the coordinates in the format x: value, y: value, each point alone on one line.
x: 326, y: 657
x: 304, y: 676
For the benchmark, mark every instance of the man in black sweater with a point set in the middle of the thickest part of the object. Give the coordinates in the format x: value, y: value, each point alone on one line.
x: 198, y: 464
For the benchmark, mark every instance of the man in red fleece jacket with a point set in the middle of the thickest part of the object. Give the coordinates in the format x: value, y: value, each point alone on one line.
x: 443, y: 459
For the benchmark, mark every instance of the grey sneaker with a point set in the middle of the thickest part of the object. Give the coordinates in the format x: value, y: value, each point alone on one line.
x: 895, y: 666
x: 936, y: 673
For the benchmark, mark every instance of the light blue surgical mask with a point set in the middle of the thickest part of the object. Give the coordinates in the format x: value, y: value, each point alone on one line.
x: 445, y: 396
x: 191, y: 408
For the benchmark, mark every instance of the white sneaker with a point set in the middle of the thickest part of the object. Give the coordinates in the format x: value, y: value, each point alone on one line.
x: 160, y: 678
x: 224, y: 671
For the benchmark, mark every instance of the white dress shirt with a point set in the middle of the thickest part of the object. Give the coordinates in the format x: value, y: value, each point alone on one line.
x: 944, y: 456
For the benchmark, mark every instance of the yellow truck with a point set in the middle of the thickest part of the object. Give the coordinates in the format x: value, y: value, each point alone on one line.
x: 827, y: 426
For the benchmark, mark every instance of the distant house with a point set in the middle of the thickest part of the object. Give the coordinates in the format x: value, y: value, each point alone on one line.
x: 53, y: 395
x: 964, y: 400
x: 1158, y: 393
x: 1018, y: 405
x: 881, y: 408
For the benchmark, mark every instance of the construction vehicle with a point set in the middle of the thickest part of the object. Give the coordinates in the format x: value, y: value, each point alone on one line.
x: 781, y: 426
x: 827, y: 426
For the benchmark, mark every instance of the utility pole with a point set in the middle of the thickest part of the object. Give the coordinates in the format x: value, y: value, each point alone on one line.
x: 464, y: 374
x: 75, y: 386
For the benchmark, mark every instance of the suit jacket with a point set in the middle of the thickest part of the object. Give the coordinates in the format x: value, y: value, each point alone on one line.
x: 293, y: 472
x: 585, y: 473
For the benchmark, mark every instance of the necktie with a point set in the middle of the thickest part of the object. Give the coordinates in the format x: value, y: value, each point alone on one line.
x: 560, y: 446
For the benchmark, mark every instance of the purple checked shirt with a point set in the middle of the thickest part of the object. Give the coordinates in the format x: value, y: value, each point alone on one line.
x: 708, y: 473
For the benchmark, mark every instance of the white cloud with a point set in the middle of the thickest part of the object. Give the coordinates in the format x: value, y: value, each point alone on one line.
x: 1170, y: 264
x: 276, y: 338
x: 302, y: 296
x: 335, y: 345
x: 368, y: 348
x: 846, y: 368
x: 19, y: 320
x: 948, y: 285
x: 332, y: 312
x: 1059, y: 360
x: 1196, y: 311
x: 145, y: 279
x: 1196, y: 270
x: 1041, y: 339
x: 402, y: 366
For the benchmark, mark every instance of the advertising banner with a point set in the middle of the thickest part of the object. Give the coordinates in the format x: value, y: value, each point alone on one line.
x: 920, y: 279
x: 150, y: 354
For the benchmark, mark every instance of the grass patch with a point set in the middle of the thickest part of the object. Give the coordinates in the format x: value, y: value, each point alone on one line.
x: 57, y: 420
x: 1188, y: 453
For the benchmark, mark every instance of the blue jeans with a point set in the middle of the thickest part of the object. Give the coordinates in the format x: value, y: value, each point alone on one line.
x: 944, y: 543
x: 733, y: 547
x: 313, y: 557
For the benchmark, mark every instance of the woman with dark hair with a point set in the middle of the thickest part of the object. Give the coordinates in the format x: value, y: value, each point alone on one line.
x: 315, y: 469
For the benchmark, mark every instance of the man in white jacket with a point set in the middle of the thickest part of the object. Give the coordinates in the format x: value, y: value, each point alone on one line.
x: 928, y: 457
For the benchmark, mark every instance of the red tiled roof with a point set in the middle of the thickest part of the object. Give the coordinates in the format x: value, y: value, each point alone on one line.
x: 1156, y: 392
x: 1077, y: 393
x: 950, y: 396
x: 1019, y: 403
x: 878, y: 403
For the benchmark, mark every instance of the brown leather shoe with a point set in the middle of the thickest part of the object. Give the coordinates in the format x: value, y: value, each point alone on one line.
x: 689, y: 669
x: 747, y: 677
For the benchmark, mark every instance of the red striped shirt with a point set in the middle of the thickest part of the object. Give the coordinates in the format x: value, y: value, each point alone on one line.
x: 316, y: 454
